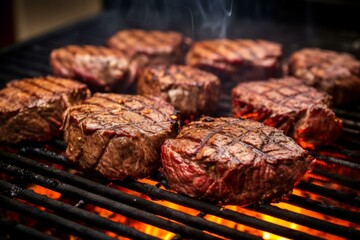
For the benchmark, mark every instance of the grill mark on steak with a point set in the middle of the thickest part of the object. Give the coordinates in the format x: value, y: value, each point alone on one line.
x: 161, y: 113
x: 26, y: 91
x: 264, y: 46
x: 212, y: 49
x: 234, y: 50
x: 154, y: 39
x: 41, y: 87
x: 247, y: 48
x: 94, y: 51
x: 239, y: 137
x: 140, y: 130
x: 158, y: 36
x: 132, y: 110
x: 219, y: 153
x: 150, y: 39
x: 54, y: 82
x: 285, y: 99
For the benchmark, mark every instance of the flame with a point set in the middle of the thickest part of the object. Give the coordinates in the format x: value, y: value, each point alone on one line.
x: 45, y: 191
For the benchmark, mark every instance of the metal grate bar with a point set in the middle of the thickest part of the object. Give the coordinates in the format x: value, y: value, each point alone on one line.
x: 348, y: 198
x: 70, y: 211
x: 347, y: 114
x: 307, y: 221
x: 334, y: 160
x: 343, y: 180
x: 21, y: 231
x: 52, y: 219
x: 336, y: 149
x: 323, y: 208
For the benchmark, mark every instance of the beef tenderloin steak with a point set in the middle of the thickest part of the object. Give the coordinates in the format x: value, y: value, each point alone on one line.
x: 336, y: 73
x: 31, y: 109
x: 237, y: 60
x: 233, y: 161
x: 101, y: 68
x: 119, y: 136
x: 152, y: 47
x: 300, y: 111
x: 188, y: 89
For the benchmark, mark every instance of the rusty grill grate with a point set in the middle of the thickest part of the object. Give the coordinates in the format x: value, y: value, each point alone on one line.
x: 331, y: 190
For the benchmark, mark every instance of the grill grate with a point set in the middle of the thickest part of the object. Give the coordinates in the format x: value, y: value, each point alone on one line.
x: 331, y: 189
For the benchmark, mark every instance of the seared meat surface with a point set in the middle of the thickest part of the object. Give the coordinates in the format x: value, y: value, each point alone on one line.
x: 31, y: 109
x: 188, y: 89
x: 100, y: 67
x: 233, y: 161
x: 153, y: 47
x: 237, y: 60
x: 299, y: 110
x: 338, y: 74
x: 119, y: 136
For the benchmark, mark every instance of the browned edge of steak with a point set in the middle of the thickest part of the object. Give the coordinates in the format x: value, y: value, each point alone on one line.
x: 188, y: 89
x: 31, y: 109
x: 233, y: 161
x: 119, y: 136
x: 300, y: 111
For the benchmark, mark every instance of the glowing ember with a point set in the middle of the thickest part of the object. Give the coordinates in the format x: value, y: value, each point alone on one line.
x: 45, y: 191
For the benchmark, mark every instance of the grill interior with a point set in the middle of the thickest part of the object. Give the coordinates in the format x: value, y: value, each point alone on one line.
x: 325, y: 204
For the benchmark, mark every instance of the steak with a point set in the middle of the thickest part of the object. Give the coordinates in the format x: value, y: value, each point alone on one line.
x: 233, y: 161
x: 299, y: 110
x: 237, y: 60
x: 189, y: 90
x: 31, y: 109
x: 101, y: 68
x: 152, y: 47
x: 119, y: 136
x: 338, y: 74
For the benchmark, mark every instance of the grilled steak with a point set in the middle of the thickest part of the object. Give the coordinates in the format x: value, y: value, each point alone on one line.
x: 31, y: 109
x: 189, y: 90
x: 237, y: 60
x: 156, y: 47
x: 338, y: 74
x: 299, y: 110
x: 102, y: 68
x: 117, y: 135
x: 233, y: 161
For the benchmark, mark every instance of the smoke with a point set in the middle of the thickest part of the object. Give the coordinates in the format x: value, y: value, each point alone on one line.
x: 215, y: 16
x: 195, y: 18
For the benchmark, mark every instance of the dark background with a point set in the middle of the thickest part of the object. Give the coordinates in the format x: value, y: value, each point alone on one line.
x: 321, y: 13
x: 198, y: 18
